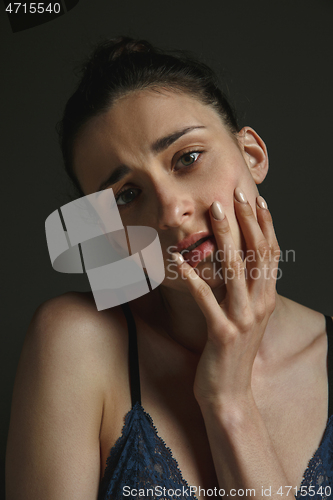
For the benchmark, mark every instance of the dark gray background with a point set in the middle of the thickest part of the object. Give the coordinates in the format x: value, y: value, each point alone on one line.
x: 277, y: 58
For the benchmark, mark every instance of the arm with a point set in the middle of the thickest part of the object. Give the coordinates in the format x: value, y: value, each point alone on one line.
x: 242, y: 450
x: 53, y: 445
x: 243, y: 453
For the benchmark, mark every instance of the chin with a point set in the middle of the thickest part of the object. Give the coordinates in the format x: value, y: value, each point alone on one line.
x: 211, y: 273
x: 208, y: 270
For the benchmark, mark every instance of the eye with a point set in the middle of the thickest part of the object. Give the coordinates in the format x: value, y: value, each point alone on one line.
x: 126, y: 196
x: 188, y: 159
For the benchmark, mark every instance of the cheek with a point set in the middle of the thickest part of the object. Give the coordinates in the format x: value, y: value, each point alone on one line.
x: 224, y: 176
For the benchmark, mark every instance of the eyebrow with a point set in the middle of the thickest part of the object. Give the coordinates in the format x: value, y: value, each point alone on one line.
x: 163, y: 143
x: 116, y: 176
x: 157, y: 147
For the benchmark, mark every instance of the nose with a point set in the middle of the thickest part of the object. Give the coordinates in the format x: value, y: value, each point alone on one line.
x: 174, y: 205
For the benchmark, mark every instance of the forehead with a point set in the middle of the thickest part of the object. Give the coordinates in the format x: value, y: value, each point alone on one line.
x: 145, y: 115
x: 125, y: 132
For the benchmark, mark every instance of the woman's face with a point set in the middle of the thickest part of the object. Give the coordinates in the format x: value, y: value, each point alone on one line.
x: 175, y: 157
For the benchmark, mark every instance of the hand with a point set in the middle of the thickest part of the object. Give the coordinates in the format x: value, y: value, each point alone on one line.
x: 235, y: 327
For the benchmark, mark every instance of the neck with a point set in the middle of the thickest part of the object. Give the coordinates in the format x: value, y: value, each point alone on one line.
x: 186, y: 321
x: 183, y: 321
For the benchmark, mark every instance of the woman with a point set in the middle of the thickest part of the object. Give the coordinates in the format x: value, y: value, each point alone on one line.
x: 232, y: 375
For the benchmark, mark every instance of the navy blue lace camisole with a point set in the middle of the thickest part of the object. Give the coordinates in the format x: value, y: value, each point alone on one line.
x: 140, y: 460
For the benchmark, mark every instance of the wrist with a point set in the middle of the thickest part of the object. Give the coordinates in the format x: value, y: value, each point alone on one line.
x: 235, y: 417
x: 228, y: 407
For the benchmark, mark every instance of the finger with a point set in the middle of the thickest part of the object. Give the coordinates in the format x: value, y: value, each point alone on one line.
x: 201, y: 292
x: 257, y: 246
x: 233, y: 268
x: 266, y: 223
x: 259, y: 256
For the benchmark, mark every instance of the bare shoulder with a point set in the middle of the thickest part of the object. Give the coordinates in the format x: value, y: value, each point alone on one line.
x: 69, y: 335
x: 304, y: 328
x: 72, y: 323
x: 67, y: 330
x: 75, y: 309
x: 69, y: 358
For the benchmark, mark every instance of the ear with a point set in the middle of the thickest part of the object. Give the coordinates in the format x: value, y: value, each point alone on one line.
x: 254, y: 152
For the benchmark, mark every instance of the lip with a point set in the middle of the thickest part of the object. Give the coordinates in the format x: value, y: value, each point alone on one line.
x: 199, y: 253
x: 190, y: 240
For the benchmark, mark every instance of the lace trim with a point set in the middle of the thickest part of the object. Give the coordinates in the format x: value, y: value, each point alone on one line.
x: 165, y: 465
x: 316, y: 474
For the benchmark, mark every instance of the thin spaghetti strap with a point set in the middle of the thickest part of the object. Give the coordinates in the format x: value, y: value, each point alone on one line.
x: 329, y: 331
x: 133, y: 357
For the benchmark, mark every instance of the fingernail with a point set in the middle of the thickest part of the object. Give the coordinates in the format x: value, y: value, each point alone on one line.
x: 178, y: 258
x: 217, y: 211
x: 261, y: 202
x: 240, y: 196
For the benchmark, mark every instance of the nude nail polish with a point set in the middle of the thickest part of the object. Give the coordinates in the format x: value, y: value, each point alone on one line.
x: 178, y: 258
x: 261, y: 202
x: 240, y: 196
x: 217, y: 211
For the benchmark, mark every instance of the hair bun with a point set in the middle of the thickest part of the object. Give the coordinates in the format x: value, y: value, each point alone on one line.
x: 124, y: 46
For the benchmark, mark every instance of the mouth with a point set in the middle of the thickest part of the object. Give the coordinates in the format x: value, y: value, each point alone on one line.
x: 195, y: 245
x: 191, y: 241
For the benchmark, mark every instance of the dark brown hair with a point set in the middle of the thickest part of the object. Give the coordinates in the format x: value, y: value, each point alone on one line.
x: 122, y: 65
